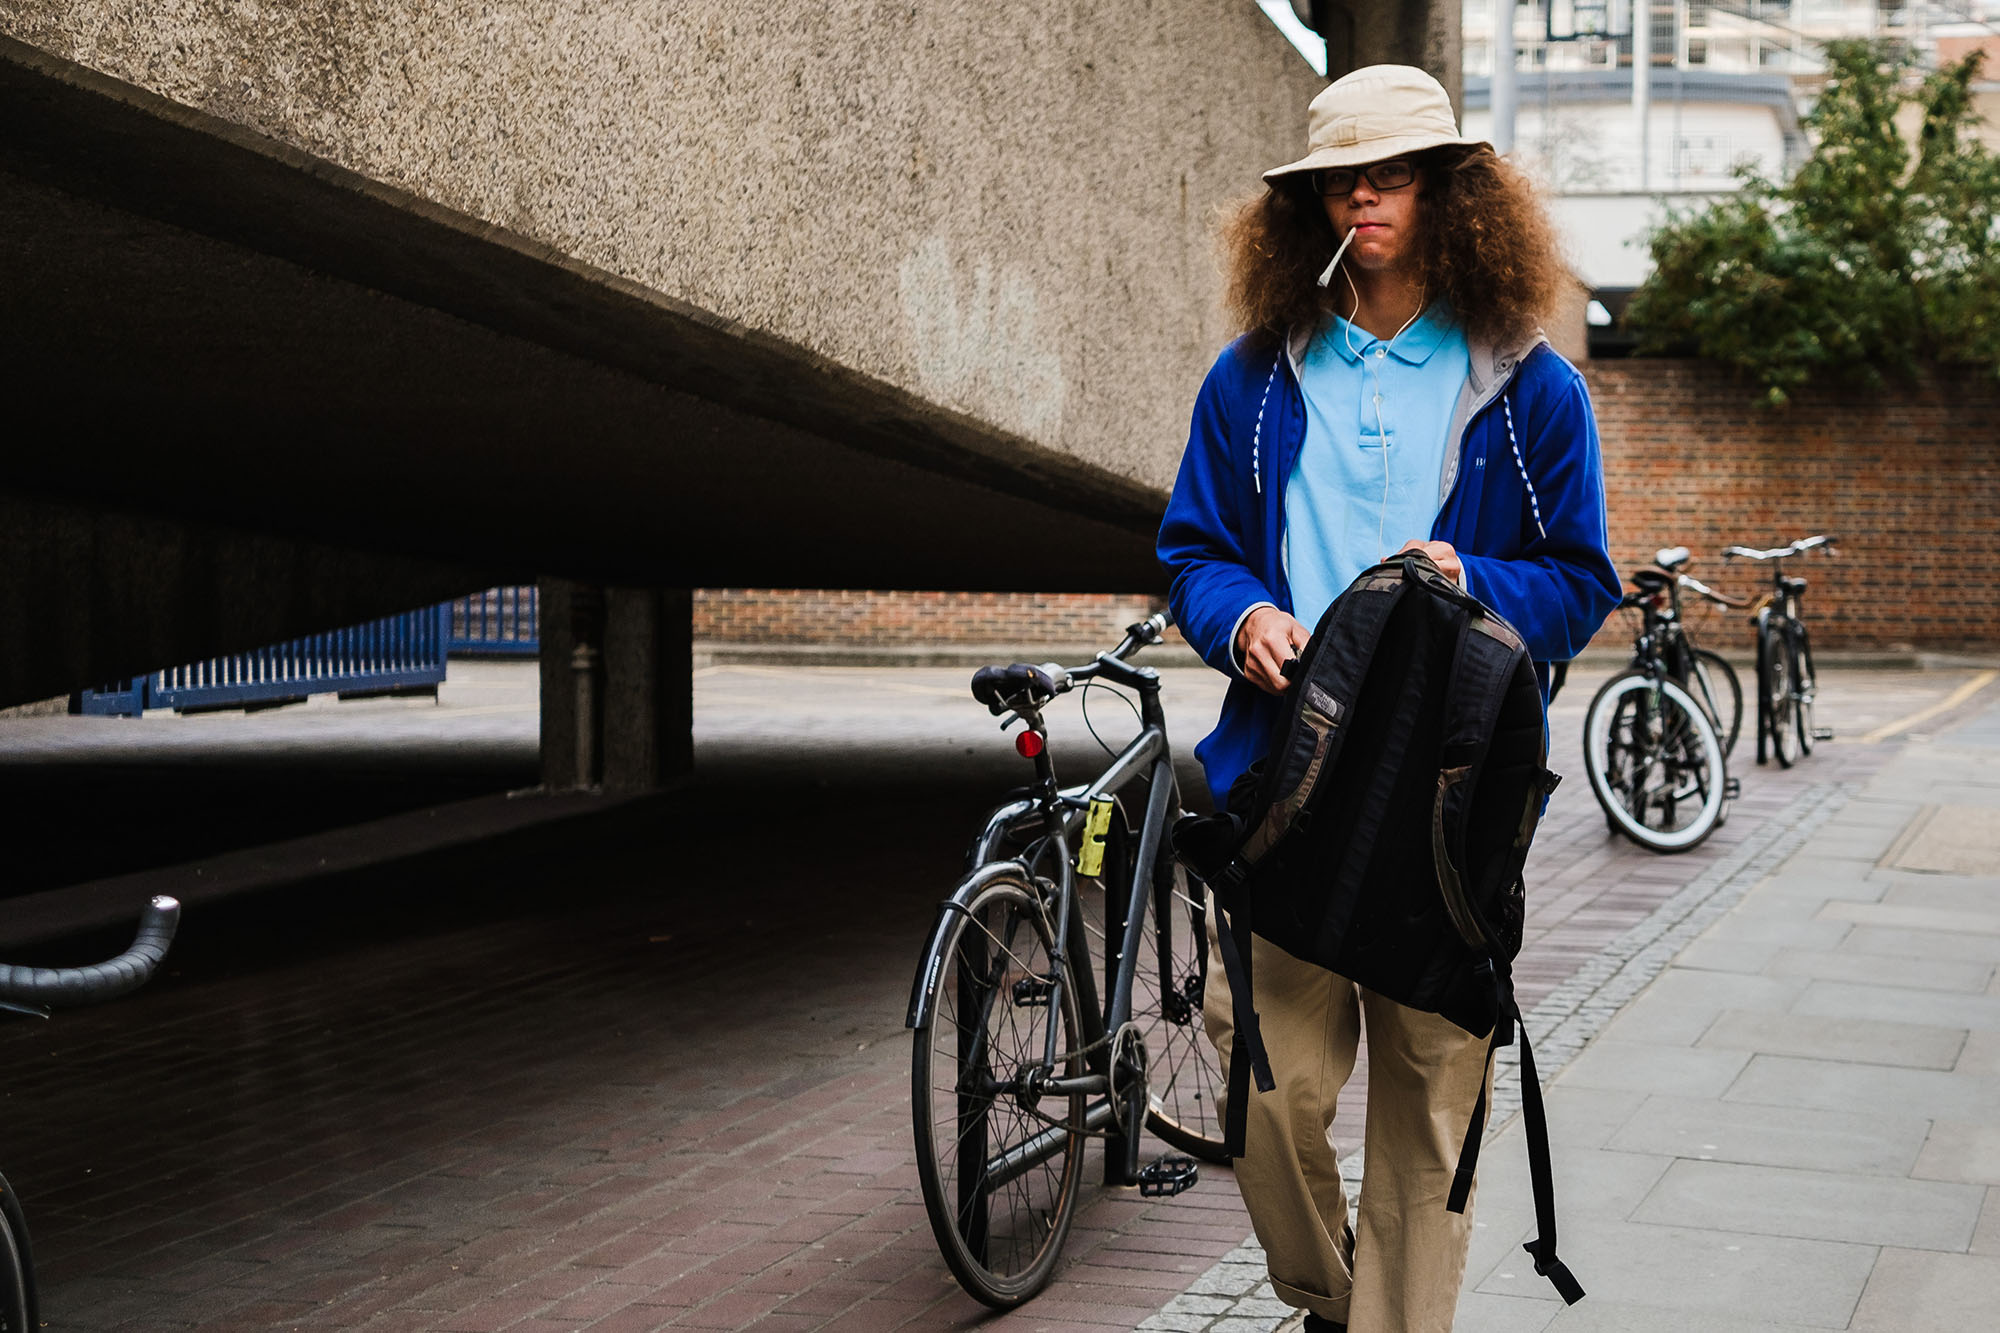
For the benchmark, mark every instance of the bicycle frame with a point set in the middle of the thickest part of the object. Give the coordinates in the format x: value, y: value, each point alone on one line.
x: 1057, y: 811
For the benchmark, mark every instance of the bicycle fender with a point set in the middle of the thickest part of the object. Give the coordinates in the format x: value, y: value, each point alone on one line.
x: 923, y: 994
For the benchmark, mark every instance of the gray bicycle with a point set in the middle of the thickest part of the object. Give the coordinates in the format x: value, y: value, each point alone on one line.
x: 1017, y: 1061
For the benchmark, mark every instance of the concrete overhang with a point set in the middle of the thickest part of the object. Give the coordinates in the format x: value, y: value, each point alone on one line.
x: 206, y: 324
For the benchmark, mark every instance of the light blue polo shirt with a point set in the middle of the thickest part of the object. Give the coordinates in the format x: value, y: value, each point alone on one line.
x: 1338, y: 518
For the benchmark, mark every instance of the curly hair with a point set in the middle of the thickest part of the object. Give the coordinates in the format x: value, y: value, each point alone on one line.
x: 1483, y: 243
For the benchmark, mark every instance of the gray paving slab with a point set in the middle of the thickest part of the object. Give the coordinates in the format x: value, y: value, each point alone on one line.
x: 1951, y: 893
x: 1946, y: 920
x: 1783, y: 1080
x: 1815, y: 1205
x: 1705, y: 1275
x: 1900, y: 1004
x: 1504, y: 1314
x: 1708, y: 1130
x: 1591, y: 1183
x: 1981, y: 1054
x: 1594, y: 1316
x: 1917, y: 1291
x: 1651, y: 1067
x: 1922, y: 944
x: 1714, y: 955
x: 1823, y: 1037
x: 1588, y: 1117
x: 1663, y: 1023
x: 1986, y: 1236
x: 1962, y: 1150
x: 1737, y: 927
x: 1923, y: 972
x: 1725, y: 990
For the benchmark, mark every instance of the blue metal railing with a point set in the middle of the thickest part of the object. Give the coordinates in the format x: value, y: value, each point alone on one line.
x: 500, y: 622
x: 383, y: 656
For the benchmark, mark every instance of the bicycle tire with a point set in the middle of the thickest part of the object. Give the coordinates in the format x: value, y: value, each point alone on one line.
x: 1776, y: 688
x: 1805, y: 685
x: 1725, y: 692
x: 20, y: 1308
x: 1001, y: 1239
x: 1648, y: 748
x: 1183, y: 1068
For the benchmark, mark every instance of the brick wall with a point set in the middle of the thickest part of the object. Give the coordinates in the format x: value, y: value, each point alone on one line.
x: 798, y: 616
x: 1910, y: 483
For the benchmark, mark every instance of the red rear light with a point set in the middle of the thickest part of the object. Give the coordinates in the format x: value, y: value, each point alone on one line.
x: 1029, y: 743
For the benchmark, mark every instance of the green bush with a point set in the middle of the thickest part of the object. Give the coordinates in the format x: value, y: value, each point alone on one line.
x: 1869, y: 260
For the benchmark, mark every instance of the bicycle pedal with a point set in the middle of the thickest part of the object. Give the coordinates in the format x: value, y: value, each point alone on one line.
x: 1822, y: 733
x: 1732, y: 788
x: 1168, y: 1176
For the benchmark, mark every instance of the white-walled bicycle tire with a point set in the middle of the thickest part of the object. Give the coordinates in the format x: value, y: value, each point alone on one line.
x: 1655, y: 763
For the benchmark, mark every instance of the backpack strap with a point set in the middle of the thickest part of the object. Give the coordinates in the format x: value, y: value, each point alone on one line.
x: 1247, y: 1056
x: 1536, y: 1126
x: 1481, y: 666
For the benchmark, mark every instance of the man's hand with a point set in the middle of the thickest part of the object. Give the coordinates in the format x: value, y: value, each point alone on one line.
x: 1269, y: 639
x: 1443, y: 554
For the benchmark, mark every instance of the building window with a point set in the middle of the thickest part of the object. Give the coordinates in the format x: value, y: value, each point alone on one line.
x: 1697, y: 51
x: 1697, y: 13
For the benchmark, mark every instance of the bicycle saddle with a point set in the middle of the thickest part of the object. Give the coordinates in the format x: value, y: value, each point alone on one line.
x: 1673, y: 557
x: 1793, y: 585
x: 995, y: 685
x: 1649, y: 580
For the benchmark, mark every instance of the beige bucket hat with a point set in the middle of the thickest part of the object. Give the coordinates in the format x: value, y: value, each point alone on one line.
x: 1377, y: 112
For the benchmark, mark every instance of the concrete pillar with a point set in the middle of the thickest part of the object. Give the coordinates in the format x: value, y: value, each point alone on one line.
x: 1424, y: 33
x: 572, y: 632
x: 649, y: 687
x: 620, y: 659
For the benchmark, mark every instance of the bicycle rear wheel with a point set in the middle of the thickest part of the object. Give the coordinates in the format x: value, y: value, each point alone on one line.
x: 1000, y: 1164
x: 1718, y: 690
x: 1655, y: 763
x: 19, y: 1309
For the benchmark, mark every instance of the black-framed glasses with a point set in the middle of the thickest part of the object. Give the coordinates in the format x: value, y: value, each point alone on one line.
x: 1391, y: 175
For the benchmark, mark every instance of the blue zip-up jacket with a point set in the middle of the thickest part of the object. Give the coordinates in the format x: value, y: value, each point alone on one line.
x: 1537, y: 555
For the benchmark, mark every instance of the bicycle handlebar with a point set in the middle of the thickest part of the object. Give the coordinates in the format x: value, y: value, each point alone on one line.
x: 1701, y: 589
x: 1799, y: 547
x: 99, y: 981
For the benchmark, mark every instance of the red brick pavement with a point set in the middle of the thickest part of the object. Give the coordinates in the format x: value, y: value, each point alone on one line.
x: 647, y: 1074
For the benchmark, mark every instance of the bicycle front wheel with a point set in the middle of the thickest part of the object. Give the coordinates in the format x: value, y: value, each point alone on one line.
x: 1780, y: 707
x: 1000, y: 1162
x: 1718, y: 691
x: 1183, y: 1069
x: 1654, y: 761
x: 1804, y: 687
x: 19, y: 1312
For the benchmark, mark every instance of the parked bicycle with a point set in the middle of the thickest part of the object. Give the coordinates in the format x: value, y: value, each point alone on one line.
x: 1017, y: 1061
x: 1657, y: 736
x: 30, y: 991
x: 1786, y: 682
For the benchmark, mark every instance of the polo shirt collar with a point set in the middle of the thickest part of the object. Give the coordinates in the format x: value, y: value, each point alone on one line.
x: 1413, y: 346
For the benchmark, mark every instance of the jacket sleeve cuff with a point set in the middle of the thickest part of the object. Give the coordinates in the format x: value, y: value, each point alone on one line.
x: 1235, y: 657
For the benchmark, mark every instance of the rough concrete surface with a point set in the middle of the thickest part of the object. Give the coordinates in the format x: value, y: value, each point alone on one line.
x: 1003, y: 208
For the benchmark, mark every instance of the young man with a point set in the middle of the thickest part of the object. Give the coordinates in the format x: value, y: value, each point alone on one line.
x: 1391, y: 389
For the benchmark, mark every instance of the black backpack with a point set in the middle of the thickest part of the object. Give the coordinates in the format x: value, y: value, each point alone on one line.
x: 1382, y: 836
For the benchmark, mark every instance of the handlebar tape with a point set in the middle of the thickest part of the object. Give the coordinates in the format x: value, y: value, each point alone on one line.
x: 99, y: 981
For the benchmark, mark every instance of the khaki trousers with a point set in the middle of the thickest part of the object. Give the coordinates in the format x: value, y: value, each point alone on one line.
x: 1401, y: 1271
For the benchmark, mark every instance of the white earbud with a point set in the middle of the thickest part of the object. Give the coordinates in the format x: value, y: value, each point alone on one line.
x: 1326, y: 276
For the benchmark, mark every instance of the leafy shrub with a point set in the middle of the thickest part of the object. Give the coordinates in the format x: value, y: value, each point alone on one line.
x: 1869, y: 260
